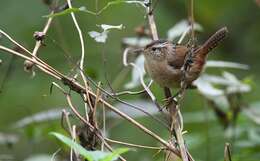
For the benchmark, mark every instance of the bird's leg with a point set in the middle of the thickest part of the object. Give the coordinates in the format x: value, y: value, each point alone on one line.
x: 188, y: 61
x: 173, y: 99
x: 169, y: 98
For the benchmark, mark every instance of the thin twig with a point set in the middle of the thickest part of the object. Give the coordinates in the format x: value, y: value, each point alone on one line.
x: 92, y: 128
x: 151, y: 20
x: 179, y: 124
x: 134, y: 145
x: 86, y: 96
x: 72, y: 131
x: 177, y: 121
x: 13, y: 41
x: 66, y: 114
x: 80, y: 36
x: 227, y: 152
x: 104, y: 124
x: 192, y: 20
x: 173, y: 109
x: 183, y: 35
x: 131, y: 120
x: 98, y: 96
x: 58, y: 86
x: 74, y: 85
x: 132, y: 92
x: 78, y: 87
x: 74, y: 153
x: 54, y: 154
x: 140, y: 72
x: 40, y: 65
x: 180, y: 140
x: 45, y: 65
x: 38, y: 44
x: 141, y: 109
x: 63, y: 116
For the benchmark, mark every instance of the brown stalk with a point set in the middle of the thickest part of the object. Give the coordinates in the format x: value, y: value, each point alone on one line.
x: 92, y: 128
x: 28, y: 65
x: 77, y: 87
x: 172, y: 107
x: 134, y: 145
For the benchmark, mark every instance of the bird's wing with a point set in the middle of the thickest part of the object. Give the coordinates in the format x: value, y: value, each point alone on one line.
x: 176, y: 58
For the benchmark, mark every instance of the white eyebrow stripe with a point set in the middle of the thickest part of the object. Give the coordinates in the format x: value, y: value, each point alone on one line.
x: 160, y: 45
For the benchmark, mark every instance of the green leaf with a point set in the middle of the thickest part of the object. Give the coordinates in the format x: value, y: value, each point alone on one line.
x: 83, y: 9
x: 73, y: 145
x: 90, y: 155
x: 118, y: 2
x: 70, y: 10
x: 249, y: 80
x: 115, y: 154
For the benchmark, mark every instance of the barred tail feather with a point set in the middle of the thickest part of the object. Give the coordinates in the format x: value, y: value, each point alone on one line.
x: 213, y: 41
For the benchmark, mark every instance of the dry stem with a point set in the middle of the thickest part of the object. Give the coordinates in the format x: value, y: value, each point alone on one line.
x: 28, y: 64
x: 88, y: 94
x: 172, y: 107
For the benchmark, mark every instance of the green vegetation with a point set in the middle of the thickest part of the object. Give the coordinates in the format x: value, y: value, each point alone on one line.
x: 224, y: 108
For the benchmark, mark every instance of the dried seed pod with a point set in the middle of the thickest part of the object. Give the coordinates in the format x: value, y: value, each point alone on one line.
x: 39, y: 36
x: 28, y: 65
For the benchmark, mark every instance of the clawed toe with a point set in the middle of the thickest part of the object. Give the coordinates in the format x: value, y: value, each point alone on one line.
x: 170, y: 100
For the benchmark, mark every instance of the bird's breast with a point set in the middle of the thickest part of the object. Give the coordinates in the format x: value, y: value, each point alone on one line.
x: 163, y: 74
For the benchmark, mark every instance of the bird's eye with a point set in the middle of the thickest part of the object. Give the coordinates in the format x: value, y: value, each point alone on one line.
x: 154, y: 49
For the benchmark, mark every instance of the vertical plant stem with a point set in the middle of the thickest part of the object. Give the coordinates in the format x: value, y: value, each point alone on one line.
x: 86, y: 96
x: 192, y: 20
x: 151, y: 20
x: 180, y: 140
x: 173, y: 110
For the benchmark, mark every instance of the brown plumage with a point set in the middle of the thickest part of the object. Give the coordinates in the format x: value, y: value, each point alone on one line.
x: 164, y: 60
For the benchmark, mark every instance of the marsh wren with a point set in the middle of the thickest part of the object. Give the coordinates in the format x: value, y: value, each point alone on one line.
x: 164, y: 60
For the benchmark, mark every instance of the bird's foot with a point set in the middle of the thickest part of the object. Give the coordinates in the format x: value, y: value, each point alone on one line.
x: 169, y: 101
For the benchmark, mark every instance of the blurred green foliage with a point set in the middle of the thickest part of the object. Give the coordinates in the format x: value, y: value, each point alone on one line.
x: 22, y: 96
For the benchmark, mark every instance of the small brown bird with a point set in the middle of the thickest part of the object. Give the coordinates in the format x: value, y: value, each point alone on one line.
x: 164, y: 60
